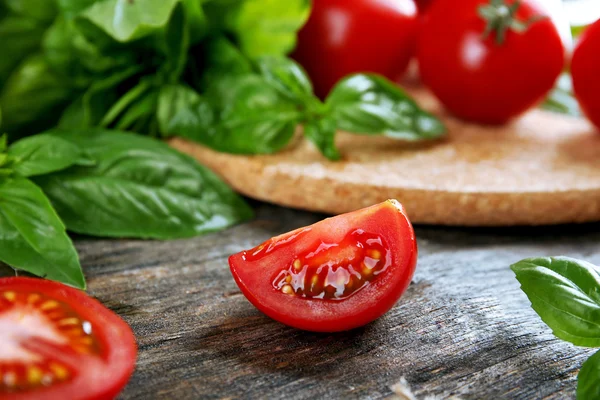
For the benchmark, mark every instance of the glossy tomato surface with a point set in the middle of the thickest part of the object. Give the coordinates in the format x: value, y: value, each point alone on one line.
x: 338, y: 274
x: 480, y: 79
x: 343, y: 37
x: 58, y: 343
x: 585, y: 68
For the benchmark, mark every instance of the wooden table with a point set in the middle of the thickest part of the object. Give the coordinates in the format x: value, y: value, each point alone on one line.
x: 462, y: 330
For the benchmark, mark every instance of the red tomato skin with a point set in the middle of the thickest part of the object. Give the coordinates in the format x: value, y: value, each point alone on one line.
x: 343, y: 37
x: 585, y: 68
x: 423, y: 5
x: 110, y: 330
x: 366, y: 305
x: 478, y: 80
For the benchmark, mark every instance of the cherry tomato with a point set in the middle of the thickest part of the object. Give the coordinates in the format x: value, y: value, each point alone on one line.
x: 335, y: 275
x: 585, y: 68
x: 423, y: 5
x: 58, y: 343
x: 493, y: 68
x: 343, y: 37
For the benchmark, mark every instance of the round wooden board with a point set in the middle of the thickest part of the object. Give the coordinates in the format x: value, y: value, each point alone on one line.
x: 541, y: 169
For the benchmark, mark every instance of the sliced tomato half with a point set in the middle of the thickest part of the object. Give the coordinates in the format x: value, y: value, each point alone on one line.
x: 56, y: 342
x: 338, y: 274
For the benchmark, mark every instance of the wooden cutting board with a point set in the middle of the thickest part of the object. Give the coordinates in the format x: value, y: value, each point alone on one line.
x: 543, y: 168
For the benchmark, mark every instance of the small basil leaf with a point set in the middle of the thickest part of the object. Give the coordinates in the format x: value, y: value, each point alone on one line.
x: 588, y: 380
x: 322, y: 133
x: 182, y: 111
x: 286, y: 76
x: 251, y: 117
x: 19, y: 37
x: 561, y: 98
x: 126, y: 20
x: 197, y: 22
x: 177, y: 42
x: 35, y: 9
x: 42, y: 154
x: 369, y: 104
x: 268, y: 27
x: 565, y: 293
x: 32, y: 97
x: 134, y: 94
x: 143, y: 108
x: 223, y: 60
x: 32, y: 237
x: 141, y: 188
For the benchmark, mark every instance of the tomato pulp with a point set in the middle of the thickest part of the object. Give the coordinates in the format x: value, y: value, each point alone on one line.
x: 58, y: 343
x: 489, y: 78
x: 585, y: 68
x: 338, y: 274
x: 343, y: 37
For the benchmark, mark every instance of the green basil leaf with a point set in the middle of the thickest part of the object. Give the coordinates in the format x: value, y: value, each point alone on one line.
x: 251, y: 117
x: 223, y: 60
x: 142, y: 109
x: 322, y: 133
x: 286, y: 76
x: 197, y: 21
x: 588, y: 379
x: 565, y: 293
x: 140, y: 187
x: 32, y: 237
x: 177, y: 40
x: 73, y: 7
x: 126, y: 20
x: 35, y: 9
x: 19, y: 37
x: 137, y: 92
x: 268, y: 27
x: 32, y: 97
x: 561, y: 98
x: 43, y: 154
x: 182, y: 111
x: 369, y: 104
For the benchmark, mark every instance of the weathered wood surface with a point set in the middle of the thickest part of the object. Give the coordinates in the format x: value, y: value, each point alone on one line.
x: 463, y: 329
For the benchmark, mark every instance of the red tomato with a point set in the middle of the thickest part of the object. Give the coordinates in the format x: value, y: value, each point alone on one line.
x: 585, y: 68
x: 335, y: 275
x: 423, y: 5
x: 58, y: 343
x: 491, y: 79
x: 343, y: 37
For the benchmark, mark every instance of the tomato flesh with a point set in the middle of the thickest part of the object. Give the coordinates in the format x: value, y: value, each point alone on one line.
x: 344, y: 37
x: 58, y: 343
x: 337, y: 274
x: 479, y: 79
x: 584, y: 68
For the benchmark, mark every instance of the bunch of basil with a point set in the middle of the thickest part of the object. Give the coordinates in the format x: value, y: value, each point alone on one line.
x: 214, y: 71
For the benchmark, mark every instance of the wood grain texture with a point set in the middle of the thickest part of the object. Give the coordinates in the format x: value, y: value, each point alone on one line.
x: 463, y: 329
x: 542, y: 169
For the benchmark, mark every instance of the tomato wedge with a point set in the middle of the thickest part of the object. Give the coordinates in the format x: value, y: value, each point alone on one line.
x: 338, y: 274
x: 58, y: 343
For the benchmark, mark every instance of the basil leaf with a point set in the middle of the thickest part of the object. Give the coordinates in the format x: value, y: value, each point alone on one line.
x: 126, y: 20
x: 197, y: 21
x: 369, y: 104
x: 141, y: 188
x: 223, y: 60
x: 251, y: 117
x: 565, y: 293
x: 588, y: 380
x: 34, y: 9
x: 42, y: 154
x: 182, y: 111
x: 286, y: 76
x: 134, y: 94
x: 32, y: 237
x: 19, y: 37
x: 32, y: 97
x: 268, y: 27
x: 322, y: 133
x: 561, y: 98
x: 177, y: 43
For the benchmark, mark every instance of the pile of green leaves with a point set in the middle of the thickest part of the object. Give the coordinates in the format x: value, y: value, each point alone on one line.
x: 214, y: 71
x: 565, y: 293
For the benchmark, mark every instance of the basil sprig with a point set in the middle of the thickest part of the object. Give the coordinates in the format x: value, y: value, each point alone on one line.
x: 565, y: 293
x: 102, y: 183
